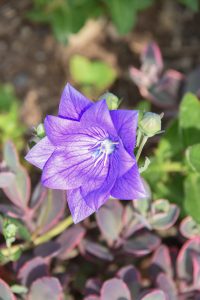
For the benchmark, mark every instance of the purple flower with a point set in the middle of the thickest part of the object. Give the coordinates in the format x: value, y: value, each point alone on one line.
x: 88, y: 151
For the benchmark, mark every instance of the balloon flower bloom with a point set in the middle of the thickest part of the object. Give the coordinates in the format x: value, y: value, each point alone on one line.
x: 88, y: 151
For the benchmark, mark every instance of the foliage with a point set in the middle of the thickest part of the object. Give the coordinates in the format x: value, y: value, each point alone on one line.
x: 92, y: 76
x: 10, y: 125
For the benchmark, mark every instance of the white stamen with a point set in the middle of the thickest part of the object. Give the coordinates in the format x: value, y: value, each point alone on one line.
x: 103, y: 150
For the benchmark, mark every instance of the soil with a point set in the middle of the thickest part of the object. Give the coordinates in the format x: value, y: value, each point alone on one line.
x: 37, y: 65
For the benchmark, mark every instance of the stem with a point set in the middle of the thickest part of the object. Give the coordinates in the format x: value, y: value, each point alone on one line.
x: 35, y: 241
x: 144, y: 140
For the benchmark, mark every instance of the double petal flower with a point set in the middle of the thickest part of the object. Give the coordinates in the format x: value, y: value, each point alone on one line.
x: 88, y: 151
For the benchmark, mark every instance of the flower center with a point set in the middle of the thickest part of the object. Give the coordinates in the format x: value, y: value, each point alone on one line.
x: 103, y: 149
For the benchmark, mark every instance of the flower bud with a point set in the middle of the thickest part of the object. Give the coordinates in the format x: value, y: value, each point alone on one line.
x: 40, y: 131
x: 112, y: 101
x: 150, y: 124
x: 9, y: 232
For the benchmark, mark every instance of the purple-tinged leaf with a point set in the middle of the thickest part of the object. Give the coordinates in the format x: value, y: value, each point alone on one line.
x: 6, y: 179
x: 165, y: 92
x: 196, y: 271
x: 10, y: 156
x: 109, y: 220
x: 11, y: 211
x: 152, y: 56
x: 132, y: 278
x: 51, y: 210
x: 5, y: 291
x: 46, y: 288
x: 96, y: 250
x: 38, y: 196
x: 115, y: 289
x: 185, y: 262
x: 93, y: 286
x: 131, y: 223
x: 163, y: 221
x: 69, y: 239
x: 19, y: 191
x: 32, y: 270
x: 167, y: 285
x: 189, y: 228
x: 155, y: 295
x: 142, y: 206
x: 143, y: 243
x: 92, y: 297
x: 159, y: 206
x: 48, y: 250
x: 161, y: 261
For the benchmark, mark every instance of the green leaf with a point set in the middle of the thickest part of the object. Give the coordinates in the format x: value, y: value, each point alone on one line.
x: 189, y: 117
x: 192, y: 193
x: 92, y: 73
x: 193, y: 157
x: 192, y: 4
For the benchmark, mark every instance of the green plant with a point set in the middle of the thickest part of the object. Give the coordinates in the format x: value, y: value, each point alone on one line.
x: 10, y: 125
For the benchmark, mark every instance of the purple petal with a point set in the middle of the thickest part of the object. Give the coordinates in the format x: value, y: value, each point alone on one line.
x: 129, y: 186
x: 57, y: 129
x: 124, y: 159
x: 96, y: 198
x: 125, y: 122
x: 78, y: 206
x: 98, y: 114
x: 72, y: 103
x: 40, y: 153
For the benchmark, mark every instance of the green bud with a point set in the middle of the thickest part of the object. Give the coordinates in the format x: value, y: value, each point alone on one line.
x: 40, y: 131
x: 150, y: 124
x: 9, y: 232
x: 112, y: 101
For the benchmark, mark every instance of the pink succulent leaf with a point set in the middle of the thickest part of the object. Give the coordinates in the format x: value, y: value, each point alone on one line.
x: 32, y: 270
x: 167, y: 285
x: 6, y: 179
x: 96, y: 250
x: 51, y: 210
x: 196, y: 271
x: 47, y: 250
x: 143, y: 243
x: 92, y: 297
x: 10, y: 156
x: 46, y: 288
x: 166, y: 91
x: 5, y: 291
x: 38, y: 196
x: 131, y: 276
x: 185, y: 266
x: 93, y: 286
x: 115, y: 289
x: 189, y: 228
x: 163, y: 221
x: 109, y: 220
x: 161, y: 262
x: 131, y: 223
x: 11, y: 211
x: 151, y: 55
x: 155, y: 295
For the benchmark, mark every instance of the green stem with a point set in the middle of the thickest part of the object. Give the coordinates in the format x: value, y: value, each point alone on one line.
x: 144, y: 140
x: 35, y: 241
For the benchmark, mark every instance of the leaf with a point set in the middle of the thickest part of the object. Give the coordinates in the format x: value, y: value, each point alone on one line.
x: 189, y: 228
x: 96, y: 250
x: 93, y: 73
x: 189, y: 117
x: 109, y: 220
x: 165, y: 220
x: 32, y: 270
x: 143, y: 243
x: 192, y: 4
x: 161, y: 262
x: 46, y: 288
x: 6, y: 179
x: 115, y: 289
x: 132, y: 278
x: 192, y: 192
x: 51, y: 210
x: 193, y: 157
x: 167, y: 285
x: 155, y: 295
x: 5, y: 291
x: 11, y: 157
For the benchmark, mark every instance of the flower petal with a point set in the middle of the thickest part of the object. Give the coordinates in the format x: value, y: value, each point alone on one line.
x: 58, y: 128
x: 99, y: 114
x: 72, y: 103
x: 125, y: 122
x: 73, y: 165
x: 125, y: 160
x: 129, y: 186
x: 78, y: 206
x: 40, y: 153
x: 96, y: 198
